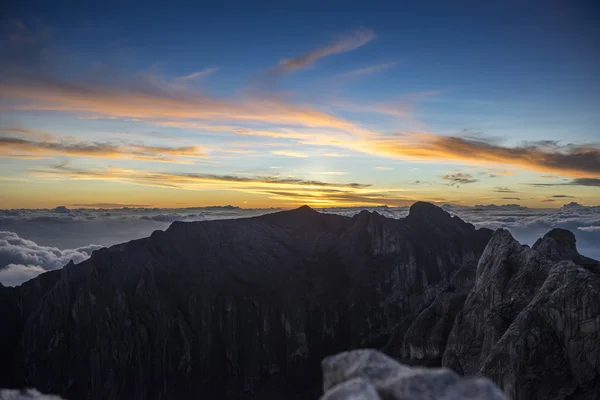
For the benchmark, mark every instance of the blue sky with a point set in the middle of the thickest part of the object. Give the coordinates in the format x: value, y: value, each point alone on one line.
x: 285, y: 103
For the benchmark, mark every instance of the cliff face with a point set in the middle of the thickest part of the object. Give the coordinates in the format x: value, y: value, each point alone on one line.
x: 532, y: 320
x: 231, y: 308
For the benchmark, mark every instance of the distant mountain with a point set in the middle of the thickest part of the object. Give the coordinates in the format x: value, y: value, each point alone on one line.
x: 248, y: 308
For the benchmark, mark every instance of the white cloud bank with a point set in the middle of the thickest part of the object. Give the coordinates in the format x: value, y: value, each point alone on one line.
x: 49, y: 231
x: 24, y: 259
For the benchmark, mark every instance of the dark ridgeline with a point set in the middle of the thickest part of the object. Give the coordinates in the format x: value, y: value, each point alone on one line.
x: 249, y: 307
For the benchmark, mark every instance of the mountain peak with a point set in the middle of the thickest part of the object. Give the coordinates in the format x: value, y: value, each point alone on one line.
x: 423, y: 207
x: 427, y: 212
x: 558, y: 244
x: 563, y: 237
x: 561, y: 244
x: 301, y: 212
x: 305, y: 209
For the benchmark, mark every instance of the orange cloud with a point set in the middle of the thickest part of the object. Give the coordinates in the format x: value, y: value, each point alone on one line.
x: 24, y: 148
x: 286, y: 190
x: 569, y: 160
x: 501, y: 173
x: 161, y: 104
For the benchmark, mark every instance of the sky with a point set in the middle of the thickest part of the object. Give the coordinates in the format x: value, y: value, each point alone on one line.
x: 278, y: 104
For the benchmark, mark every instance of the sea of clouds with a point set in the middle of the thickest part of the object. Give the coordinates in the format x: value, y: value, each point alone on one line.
x: 35, y: 241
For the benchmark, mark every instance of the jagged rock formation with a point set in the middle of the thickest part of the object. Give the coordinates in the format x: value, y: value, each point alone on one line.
x: 529, y: 319
x: 532, y: 320
x: 232, y: 308
x: 370, y: 375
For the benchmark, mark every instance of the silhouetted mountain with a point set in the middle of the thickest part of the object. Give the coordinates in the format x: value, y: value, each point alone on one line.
x: 230, y: 307
x: 249, y: 307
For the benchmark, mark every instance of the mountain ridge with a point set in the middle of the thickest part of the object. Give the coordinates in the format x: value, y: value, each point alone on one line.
x: 249, y: 307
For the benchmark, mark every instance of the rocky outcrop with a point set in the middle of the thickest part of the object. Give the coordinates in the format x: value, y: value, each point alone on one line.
x: 528, y: 318
x: 232, y: 308
x: 531, y: 322
x: 370, y: 375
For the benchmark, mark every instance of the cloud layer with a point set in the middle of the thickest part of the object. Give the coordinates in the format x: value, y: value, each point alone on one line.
x: 72, y: 228
x: 24, y: 259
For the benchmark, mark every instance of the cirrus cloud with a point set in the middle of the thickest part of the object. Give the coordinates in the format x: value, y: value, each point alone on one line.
x: 348, y: 43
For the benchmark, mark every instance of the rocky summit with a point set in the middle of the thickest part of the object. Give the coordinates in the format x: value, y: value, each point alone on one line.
x: 248, y: 308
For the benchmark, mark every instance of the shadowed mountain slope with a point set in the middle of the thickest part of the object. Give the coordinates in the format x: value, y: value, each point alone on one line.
x: 230, y: 308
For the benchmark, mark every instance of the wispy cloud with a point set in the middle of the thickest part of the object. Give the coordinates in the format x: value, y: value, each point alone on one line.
x: 497, y: 173
x: 197, y: 75
x: 191, y: 181
x: 153, y: 103
x: 384, y: 168
x: 331, y: 173
x: 503, y: 190
x: 20, y: 130
x: 287, y: 153
x: 592, y: 182
x: 9, y: 146
x: 291, y: 190
x: 350, y: 42
x: 334, y: 154
x: 403, y: 108
x: 585, y: 182
x: 459, y: 178
x: 367, y: 70
x: 594, y: 228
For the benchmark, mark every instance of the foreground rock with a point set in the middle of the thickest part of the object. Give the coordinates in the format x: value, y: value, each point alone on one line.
x: 370, y: 375
x: 230, y: 308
